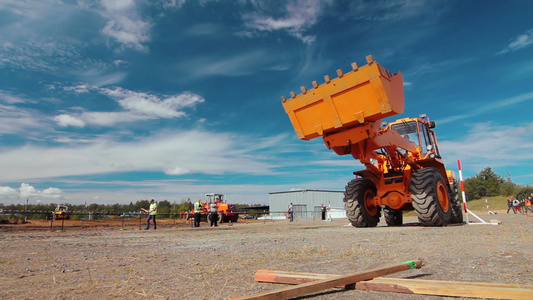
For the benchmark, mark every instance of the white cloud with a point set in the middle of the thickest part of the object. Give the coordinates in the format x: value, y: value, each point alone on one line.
x: 137, y: 106
x: 65, y: 120
x: 6, y: 191
x: 195, y: 151
x: 15, y: 120
x: 26, y: 191
x: 299, y: 16
x: 520, y: 42
x: 10, y: 98
x: 173, y: 3
x: 80, y: 89
x: 489, y: 145
x: 101, y: 76
x: 125, y: 25
x: 177, y: 170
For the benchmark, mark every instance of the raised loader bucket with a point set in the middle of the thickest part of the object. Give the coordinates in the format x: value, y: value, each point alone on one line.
x: 365, y: 94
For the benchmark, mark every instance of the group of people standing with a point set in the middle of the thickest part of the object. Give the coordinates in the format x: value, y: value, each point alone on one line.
x: 519, y: 206
x: 323, y: 211
x: 198, y: 209
x: 213, y: 213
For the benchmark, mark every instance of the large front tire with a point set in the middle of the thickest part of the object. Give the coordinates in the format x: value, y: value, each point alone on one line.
x: 431, y: 198
x: 359, y: 203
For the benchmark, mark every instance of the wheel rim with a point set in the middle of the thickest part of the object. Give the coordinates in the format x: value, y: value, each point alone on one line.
x: 442, y: 194
x: 371, y: 208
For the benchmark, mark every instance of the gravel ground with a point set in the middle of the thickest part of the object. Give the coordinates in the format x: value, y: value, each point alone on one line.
x: 179, y: 262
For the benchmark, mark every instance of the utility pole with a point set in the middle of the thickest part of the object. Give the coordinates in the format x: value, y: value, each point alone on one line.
x: 25, y: 209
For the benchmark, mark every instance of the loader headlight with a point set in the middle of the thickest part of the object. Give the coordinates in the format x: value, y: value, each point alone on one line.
x: 429, y: 147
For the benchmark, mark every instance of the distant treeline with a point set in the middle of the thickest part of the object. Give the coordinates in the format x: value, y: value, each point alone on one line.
x: 487, y: 184
x: 163, y: 207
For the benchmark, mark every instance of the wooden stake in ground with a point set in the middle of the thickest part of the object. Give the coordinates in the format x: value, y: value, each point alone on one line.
x: 348, y: 281
x: 411, y: 286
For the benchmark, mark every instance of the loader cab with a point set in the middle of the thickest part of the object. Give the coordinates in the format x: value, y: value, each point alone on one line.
x: 419, y: 131
x: 213, y: 197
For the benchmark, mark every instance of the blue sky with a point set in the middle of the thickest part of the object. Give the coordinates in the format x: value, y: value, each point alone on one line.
x: 114, y: 101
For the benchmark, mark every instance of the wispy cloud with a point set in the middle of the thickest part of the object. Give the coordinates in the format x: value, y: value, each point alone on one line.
x: 489, y: 107
x: 125, y: 25
x: 522, y: 41
x: 15, y: 120
x: 298, y: 17
x: 236, y: 65
x: 136, y: 106
x: 433, y: 67
x: 394, y: 10
x: 9, y: 98
x: 191, y: 152
x: 489, y: 145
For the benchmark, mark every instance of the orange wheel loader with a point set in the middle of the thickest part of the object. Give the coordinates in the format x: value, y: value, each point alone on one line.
x: 403, y: 166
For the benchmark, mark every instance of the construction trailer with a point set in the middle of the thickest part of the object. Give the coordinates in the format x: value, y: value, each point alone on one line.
x: 307, y: 204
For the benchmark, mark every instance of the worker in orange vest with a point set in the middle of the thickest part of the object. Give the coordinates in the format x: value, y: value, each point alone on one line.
x: 528, y: 205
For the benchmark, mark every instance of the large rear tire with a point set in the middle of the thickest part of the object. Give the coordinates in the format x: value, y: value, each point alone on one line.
x: 393, y: 217
x: 457, y: 210
x: 431, y: 197
x: 359, y: 203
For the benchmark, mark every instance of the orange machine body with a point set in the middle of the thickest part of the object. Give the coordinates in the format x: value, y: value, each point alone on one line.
x: 347, y: 113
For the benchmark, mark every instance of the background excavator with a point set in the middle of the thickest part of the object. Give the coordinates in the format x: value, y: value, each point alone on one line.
x: 403, y: 166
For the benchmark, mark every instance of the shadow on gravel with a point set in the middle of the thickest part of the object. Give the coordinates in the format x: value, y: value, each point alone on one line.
x: 416, y: 224
x: 418, y: 276
x: 325, y: 293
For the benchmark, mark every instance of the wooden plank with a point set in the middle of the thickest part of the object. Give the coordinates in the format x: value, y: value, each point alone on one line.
x: 452, y: 288
x: 323, y: 284
x: 412, y: 286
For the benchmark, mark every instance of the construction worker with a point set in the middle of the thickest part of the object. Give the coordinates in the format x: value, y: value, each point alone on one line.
x: 198, y: 208
x: 510, y: 205
x: 291, y: 213
x: 152, y: 212
x: 528, y: 205
x: 213, y: 207
x: 516, y: 205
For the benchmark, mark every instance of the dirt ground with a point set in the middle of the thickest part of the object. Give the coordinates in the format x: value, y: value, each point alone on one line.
x: 111, y: 259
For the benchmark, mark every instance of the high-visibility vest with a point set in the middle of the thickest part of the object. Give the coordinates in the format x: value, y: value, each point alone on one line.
x: 153, y: 209
x: 198, y: 208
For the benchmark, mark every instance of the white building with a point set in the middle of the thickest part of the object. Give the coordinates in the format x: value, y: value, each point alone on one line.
x: 306, y: 203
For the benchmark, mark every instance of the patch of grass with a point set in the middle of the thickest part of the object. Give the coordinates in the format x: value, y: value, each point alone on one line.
x: 495, y: 203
